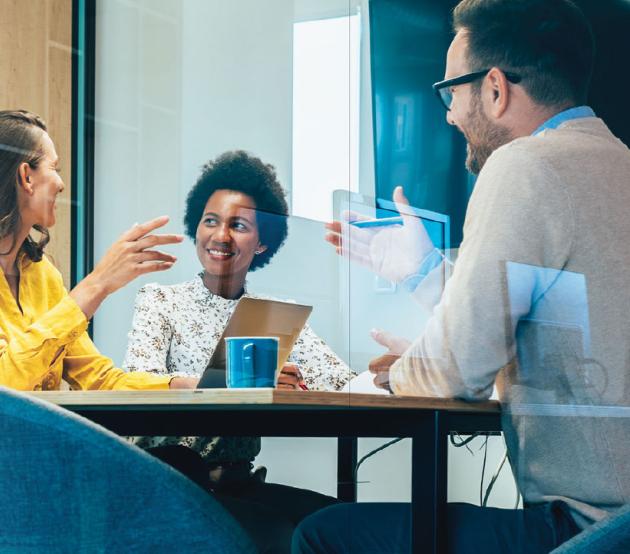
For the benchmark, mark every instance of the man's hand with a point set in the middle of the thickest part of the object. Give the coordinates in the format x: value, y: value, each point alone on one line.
x: 380, y: 366
x: 183, y: 383
x: 290, y: 378
x: 394, y: 252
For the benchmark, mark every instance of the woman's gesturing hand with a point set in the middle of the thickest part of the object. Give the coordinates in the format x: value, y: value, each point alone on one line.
x: 132, y: 255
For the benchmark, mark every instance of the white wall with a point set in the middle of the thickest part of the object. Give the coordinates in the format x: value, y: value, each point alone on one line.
x: 138, y: 147
x: 237, y: 82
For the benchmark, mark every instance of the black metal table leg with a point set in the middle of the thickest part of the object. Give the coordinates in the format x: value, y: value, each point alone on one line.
x: 428, y: 485
x: 346, y: 462
x: 441, y: 480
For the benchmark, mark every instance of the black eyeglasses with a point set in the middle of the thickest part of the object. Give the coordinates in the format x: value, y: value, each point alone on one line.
x: 443, y: 88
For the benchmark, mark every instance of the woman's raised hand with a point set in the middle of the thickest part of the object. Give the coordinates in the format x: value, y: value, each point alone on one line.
x: 132, y: 255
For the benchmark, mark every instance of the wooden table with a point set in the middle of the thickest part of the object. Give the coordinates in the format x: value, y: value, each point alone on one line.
x: 427, y: 421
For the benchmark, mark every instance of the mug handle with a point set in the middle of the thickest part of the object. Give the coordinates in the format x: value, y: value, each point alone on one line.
x: 247, y: 358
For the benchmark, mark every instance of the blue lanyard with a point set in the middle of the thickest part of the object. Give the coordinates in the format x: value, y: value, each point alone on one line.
x: 567, y: 115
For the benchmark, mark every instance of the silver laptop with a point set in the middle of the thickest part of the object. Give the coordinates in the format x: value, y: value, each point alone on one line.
x: 258, y: 317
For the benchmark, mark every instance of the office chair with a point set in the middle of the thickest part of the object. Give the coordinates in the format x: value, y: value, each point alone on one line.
x: 609, y: 536
x: 68, y: 485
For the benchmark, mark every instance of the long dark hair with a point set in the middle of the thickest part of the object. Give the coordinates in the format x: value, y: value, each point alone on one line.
x: 20, y: 142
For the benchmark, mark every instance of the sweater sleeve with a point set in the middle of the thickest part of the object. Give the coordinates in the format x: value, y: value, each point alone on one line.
x: 87, y: 369
x: 519, y: 212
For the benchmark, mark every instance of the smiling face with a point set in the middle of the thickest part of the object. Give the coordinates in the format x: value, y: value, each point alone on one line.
x: 227, y: 236
x: 483, y: 136
x: 40, y: 186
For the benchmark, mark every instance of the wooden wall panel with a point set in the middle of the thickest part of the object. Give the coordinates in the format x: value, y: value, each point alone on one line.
x: 36, y: 75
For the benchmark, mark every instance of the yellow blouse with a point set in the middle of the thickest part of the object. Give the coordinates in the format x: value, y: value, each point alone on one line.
x: 46, y: 340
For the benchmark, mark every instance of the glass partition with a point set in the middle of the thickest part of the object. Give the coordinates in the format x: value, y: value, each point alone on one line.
x: 180, y: 82
x: 301, y: 85
x: 379, y: 301
x: 336, y: 96
x: 255, y: 123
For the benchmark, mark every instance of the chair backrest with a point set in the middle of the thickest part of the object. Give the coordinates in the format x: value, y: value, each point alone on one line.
x: 609, y: 536
x: 68, y: 485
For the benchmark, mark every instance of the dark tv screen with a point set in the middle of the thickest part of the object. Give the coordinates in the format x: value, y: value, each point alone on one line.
x: 414, y: 145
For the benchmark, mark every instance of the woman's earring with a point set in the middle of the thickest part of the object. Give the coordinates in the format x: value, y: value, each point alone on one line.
x: 257, y: 252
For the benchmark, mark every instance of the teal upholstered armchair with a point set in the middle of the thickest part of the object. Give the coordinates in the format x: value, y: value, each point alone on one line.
x: 609, y: 536
x: 67, y: 485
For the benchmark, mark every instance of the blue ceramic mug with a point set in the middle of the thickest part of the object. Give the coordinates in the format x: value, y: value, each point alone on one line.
x: 251, y: 361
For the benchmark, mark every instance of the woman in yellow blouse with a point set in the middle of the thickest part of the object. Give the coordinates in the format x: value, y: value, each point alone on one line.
x: 43, y: 335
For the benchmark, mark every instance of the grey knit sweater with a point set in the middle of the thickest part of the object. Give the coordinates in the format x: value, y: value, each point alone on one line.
x: 539, y: 303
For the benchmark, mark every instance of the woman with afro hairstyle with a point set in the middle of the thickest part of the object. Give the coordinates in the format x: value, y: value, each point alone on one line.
x: 236, y: 215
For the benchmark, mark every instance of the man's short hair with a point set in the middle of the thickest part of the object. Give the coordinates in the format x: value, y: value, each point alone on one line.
x: 549, y: 43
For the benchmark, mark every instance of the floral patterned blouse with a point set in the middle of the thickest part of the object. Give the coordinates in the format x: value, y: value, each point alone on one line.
x: 175, y: 331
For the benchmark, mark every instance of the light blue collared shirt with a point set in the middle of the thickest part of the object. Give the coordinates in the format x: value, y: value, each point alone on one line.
x: 566, y: 115
x: 435, y: 257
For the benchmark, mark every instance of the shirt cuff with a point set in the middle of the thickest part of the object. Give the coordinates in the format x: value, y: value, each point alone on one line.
x: 432, y: 260
x: 66, y: 322
x: 394, y: 375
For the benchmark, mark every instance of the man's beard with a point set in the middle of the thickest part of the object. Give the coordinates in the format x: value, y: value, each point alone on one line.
x: 487, y: 136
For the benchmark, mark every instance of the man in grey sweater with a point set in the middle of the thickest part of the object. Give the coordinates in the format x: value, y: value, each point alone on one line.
x: 538, y: 301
